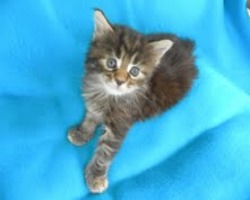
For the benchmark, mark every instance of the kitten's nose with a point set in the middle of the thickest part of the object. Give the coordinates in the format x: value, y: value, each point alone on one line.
x: 119, y: 82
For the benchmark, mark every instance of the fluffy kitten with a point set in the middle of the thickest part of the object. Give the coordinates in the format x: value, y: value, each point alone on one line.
x: 129, y: 77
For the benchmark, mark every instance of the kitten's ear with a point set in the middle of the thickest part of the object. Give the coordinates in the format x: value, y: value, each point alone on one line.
x: 102, y: 26
x: 160, y: 47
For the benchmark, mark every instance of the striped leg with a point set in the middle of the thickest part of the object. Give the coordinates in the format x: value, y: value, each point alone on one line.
x: 97, y: 169
x: 82, y: 133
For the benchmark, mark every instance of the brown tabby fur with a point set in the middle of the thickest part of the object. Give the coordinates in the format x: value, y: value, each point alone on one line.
x: 166, y: 82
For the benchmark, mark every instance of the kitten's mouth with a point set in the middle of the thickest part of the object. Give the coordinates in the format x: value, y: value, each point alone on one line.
x: 117, y: 90
x: 114, y: 89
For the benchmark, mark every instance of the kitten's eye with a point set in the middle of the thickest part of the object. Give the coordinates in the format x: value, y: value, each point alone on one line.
x: 134, y: 71
x: 111, y: 63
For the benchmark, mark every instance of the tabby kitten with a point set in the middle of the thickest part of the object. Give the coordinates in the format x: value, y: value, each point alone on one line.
x: 129, y: 77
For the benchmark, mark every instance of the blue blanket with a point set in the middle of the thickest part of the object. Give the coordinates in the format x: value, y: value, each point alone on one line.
x: 200, y: 149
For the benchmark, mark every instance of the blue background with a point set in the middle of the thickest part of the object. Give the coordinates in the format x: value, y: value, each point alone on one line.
x: 200, y: 149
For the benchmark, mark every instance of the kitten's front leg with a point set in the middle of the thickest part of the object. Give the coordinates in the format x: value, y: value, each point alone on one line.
x: 97, y: 169
x: 83, y: 132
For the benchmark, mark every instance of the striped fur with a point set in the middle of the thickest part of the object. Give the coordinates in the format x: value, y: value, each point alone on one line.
x: 167, y: 71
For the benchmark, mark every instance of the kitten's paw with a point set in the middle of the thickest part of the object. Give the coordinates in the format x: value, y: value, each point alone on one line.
x: 97, y: 184
x: 77, y: 136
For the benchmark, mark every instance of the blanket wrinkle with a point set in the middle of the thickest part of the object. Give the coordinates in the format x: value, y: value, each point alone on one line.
x: 205, y: 141
x: 182, y: 148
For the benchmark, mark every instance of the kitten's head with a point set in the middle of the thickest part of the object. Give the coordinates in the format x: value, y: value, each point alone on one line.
x: 121, y: 59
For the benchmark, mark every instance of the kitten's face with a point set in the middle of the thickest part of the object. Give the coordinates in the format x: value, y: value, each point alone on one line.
x: 121, y: 75
x: 122, y: 59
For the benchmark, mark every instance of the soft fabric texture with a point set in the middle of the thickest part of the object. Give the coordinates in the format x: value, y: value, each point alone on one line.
x: 200, y: 149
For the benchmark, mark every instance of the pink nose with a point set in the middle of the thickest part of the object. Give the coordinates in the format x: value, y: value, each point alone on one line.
x: 119, y: 82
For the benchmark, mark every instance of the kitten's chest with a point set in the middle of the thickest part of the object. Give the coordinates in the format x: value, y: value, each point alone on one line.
x: 106, y: 107
x: 96, y: 104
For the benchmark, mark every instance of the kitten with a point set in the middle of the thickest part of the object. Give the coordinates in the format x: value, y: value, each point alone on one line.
x: 129, y: 77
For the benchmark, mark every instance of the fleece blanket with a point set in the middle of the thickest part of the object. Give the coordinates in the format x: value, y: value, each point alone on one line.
x: 199, y: 149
